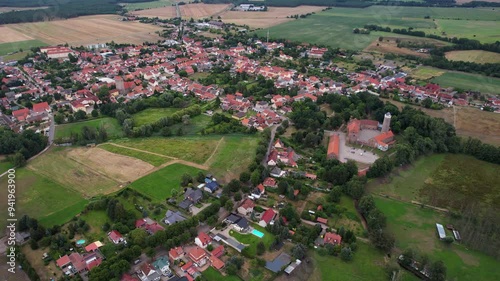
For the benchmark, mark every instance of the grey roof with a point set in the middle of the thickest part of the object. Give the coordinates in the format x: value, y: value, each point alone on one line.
x: 194, y: 195
x: 278, y: 263
x: 243, y: 223
x: 233, y: 218
x: 154, y: 276
x: 230, y: 241
x: 173, y: 217
x: 185, y: 204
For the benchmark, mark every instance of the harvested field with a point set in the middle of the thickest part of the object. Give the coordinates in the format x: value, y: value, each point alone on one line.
x: 198, y: 11
x: 476, y: 56
x: 88, y: 30
x: 273, y: 16
x: 162, y: 13
x: 11, y: 35
x: 389, y: 44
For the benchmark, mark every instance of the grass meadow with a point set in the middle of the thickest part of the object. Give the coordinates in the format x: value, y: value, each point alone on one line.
x: 476, y: 56
x: 334, y: 27
x: 467, y: 81
x: 251, y: 240
x: 148, y: 5
x: 213, y: 275
x: 5, y: 165
x: 414, y: 227
x: 6, y: 48
x: 367, y: 265
x: 152, y: 159
x: 151, y: 115
x: 110, y: 124
x: 159, y: 185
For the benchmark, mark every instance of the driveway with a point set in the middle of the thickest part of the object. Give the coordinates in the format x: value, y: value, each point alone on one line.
x: 195, y: 210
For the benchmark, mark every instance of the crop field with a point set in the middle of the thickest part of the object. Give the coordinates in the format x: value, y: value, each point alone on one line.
x: 273, y: 16
x: 148, y: 5
x: 151, y: 115
x: 200, y: 10
x: 110, y: 124
x: 195, y: 149
x: 159, y: 185
x: 41, y: 197
x: 334, y: 27
x: 166, y: 12
x: 88, y: 30
x: 483, y: 30
x: 367, y: 265
x: 414, y: 227
x: 467, y: 81
x: 88, y: 171
x: 10, y: 35
x: 9, y: 47
x: 152, y: 159
x: 476, y: 56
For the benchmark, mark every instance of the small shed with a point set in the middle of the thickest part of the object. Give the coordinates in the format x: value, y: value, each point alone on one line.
x: 440, y: 230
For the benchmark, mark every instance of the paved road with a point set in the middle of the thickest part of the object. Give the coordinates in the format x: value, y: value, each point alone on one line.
x: 271, y: 141
x: 52, y: 129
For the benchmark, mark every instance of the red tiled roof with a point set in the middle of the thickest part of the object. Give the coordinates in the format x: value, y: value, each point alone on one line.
x: 247, y: 204
x: 218, y: 251
x: 174, y: 253
x: 127, y: 277
x: 204, y: 238
x: 353, y: 126
x: 62, y: 261
x: 269, y: 182
x: 187, y: 266
x: 268, y: 215
x: 261, y: 188
x: 296, y: 192
x: 333, y: 146
x: 216, y: 263
x: 93, y: 246
x: 332, y: 238
x: 322, y: 220
x: 115, y: 235
x: 197, y: 254
x: 40, y: 107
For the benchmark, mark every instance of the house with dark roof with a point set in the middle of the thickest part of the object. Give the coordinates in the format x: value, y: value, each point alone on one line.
x: 172, y: 217
x: 191, y: 197
x: 211, y: 186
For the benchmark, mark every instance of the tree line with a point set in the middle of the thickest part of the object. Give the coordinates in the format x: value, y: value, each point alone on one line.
x: 21, y: 146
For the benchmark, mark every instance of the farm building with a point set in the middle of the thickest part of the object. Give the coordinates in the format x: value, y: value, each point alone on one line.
x: 333, y: 147
x: 440, y: 230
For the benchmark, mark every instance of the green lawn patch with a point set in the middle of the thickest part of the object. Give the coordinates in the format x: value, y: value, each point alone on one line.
x: 414, y: 227
x: 468, y: 81
x: 196, y: 124
x: 110, y: 124
x: 251, y: 240
x: 196, y: 149
x: 367, y: 265
x: 96, y: 219
x: 5, y: 165
x: 6, y: 48
x: 213, y: 275
x: 42, y: 198
x: 159, y: 185
x: 152, y: 159
x: 147, y: 5
x: 151, y: 115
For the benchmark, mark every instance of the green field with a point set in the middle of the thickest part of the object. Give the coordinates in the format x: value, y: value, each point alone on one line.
x: 466, y: 81
x: 367, y: 265
x: 213, y: 275
x: 152, y: 159
x: 251, y: 240
x: 334, y: 27
x: 42, y: 198
x: 96, y: 219
x: 110, y: 124
x: 195, y: 149
x: 6, y: 48
x: 196, y: 124
x: 414, y: 227
x: 151, y: 115
x: 477, y: 56
x: 4, y: 166
x: 159, y: 185
x: 148, y: 5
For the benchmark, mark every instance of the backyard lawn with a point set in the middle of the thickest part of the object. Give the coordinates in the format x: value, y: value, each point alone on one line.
x: 213, y: 275
x: 152, y: 159
x: 110, y: 124
x: 159, y: 185
x: 252, y: 240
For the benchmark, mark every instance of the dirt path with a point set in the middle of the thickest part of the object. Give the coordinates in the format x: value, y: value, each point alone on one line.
x: 213, y: 153
x: 140, y: 150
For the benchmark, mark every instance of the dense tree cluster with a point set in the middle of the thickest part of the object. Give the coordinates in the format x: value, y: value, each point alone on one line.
x: 222, y: 124
x: 22, y: 146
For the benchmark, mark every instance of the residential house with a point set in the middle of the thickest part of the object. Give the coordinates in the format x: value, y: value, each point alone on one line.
x: 216, y: 262
x: 78, y: 263
x: 149, y: 225
x: 148, y: 273
x: 203, y: 240
x: 332, y: 238
x: 116, y: 237
x: 198, y: 256
x: 218, y: 252
x: 267, y: 217
x: 246, y: 207
x: 258, y: 191
x: 94, y: 246
x: 162, y: 265
x: 176, y: 253
x: 270, y: 182
x: 191, y: 197
x: 277, y: 172
x: 210, y: 185
x: 41, y: 107
x: 172, y: 217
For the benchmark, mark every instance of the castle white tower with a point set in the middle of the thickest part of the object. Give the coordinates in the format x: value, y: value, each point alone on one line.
x: 386, y: 126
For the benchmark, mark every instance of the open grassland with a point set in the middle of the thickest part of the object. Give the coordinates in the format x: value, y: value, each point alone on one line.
x: 389, y: 44
x: 414, y: 227
x: 110, y: 124
x: 213, y: 275
x: 195, y: 149
x: 425, y: 72
x: 88, y: 171
x: 159, y: 185
x: 251, y: 240
x: 367, y: 265
x: 467, y: 81
x: 89, y: 30
x: 334, y: 27
x: 200, y: 10
x: 147, y: 5
x: 476, y: 56
x: 234, y: 156
x: 273, y: 16
x: 96, y: 219
x: 41, y: 197
x: 6, y: 48
x: 195, y: 126
x: 152, y: 159
x: 151, y: 115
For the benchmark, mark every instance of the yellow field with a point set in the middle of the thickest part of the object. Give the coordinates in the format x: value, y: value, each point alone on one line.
x: 273, y: 16
x: 87, y: 30
x: 476, y: 56
x: 10, y: 35
x: 195, y: 11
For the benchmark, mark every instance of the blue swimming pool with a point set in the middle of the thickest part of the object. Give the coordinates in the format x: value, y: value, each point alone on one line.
x: 257, y: 233
x: 80, y: 242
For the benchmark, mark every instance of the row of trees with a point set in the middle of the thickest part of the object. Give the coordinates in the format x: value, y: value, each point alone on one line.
x: 85, y: 136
